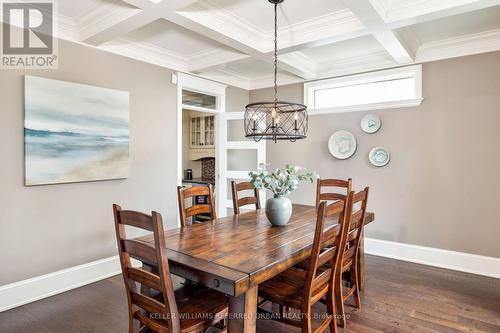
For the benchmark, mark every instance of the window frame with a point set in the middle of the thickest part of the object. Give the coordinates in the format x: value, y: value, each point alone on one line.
x: 414, y: 71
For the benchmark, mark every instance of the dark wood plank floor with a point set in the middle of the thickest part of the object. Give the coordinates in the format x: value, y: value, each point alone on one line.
x: 399, y: 297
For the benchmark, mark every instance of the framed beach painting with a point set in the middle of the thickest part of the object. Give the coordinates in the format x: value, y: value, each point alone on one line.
x: 74, y: 132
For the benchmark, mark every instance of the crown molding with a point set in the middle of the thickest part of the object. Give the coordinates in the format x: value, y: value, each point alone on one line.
x: 410, y: 39
x: 482, y: 42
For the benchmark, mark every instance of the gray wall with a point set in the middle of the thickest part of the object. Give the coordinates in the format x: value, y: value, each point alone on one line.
x: 441, y: 187
x: 236, y: 99
x: 47, y: 228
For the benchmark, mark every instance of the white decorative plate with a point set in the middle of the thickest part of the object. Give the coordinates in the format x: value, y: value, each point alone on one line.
x: 371, y: 123
x: 342, y: 145
x: 379, y: 156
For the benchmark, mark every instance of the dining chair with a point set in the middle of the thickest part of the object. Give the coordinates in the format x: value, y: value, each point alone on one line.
x: 298, y: 289
x: 351, y: 239
x: 185, y: 213
x: 239, y: 202
x: 168, y: 310
x: 344, y: 186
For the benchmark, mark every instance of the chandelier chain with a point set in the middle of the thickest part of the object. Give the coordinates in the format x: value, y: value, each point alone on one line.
x: 275, y: 52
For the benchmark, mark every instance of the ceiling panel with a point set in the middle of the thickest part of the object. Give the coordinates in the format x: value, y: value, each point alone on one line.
x: 259, y: 13
x: 78, y: 8
x: 458, y: 25
x: 172, y: 37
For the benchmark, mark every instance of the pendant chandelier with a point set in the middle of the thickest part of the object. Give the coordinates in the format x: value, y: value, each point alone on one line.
x: 276, y: 120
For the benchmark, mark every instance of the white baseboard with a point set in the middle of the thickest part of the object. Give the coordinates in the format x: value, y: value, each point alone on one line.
x: 27, y: 291
x: 458, y: 261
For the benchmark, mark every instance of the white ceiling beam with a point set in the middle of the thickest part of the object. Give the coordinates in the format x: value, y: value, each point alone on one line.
x: 371, y: 18
x: 119, y: 29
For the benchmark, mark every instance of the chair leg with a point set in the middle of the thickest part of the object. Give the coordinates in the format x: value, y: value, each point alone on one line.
x: 132, y: 325
x: 355, y: 283
x: 330, y: 308
x: 282, y: 311
x: 339, y: 300
x: 306, y: 321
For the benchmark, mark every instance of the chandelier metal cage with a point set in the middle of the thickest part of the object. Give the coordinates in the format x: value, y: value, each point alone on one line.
x: 276, y: 120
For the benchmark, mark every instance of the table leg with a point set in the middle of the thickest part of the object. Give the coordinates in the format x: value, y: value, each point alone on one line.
x: 361, y: 261
x: 243, y: 312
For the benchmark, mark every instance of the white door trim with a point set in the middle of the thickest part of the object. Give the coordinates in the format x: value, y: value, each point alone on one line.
x: 198, y: 84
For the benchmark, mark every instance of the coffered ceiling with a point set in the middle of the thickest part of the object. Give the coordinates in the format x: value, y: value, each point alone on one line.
x: 232, y: 40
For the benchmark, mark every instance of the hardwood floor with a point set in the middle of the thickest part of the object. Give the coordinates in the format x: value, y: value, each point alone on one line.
x: 399, y: 297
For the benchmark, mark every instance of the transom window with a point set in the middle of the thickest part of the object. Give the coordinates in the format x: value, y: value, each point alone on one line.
x: 391, y: 88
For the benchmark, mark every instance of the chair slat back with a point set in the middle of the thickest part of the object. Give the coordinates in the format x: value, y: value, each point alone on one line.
x: 325, y: 250
x: 355, y: 223
x: 240, y: 202
x: 165, y: 305
x: 184, y: 193
x: 342, y: 187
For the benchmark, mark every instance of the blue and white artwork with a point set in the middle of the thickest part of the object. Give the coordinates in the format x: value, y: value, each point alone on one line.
x: 74, y: 132
x: 379, y: 156
x: 371, y: 123
x: 342, y: 145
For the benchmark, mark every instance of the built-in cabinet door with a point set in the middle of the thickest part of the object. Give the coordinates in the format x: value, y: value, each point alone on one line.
x: 202, y: 132
x: 196, y: 132
x: 209, y: 130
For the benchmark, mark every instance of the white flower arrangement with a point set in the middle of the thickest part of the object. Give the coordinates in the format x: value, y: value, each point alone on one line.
x: 281, y: 182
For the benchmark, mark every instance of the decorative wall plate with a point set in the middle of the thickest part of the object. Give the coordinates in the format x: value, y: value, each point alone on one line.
x: 371, y: 123
x: 379, y: 156
x: 342, y: 145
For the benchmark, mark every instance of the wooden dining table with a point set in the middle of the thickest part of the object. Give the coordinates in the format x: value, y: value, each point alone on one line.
x: 234, y: 254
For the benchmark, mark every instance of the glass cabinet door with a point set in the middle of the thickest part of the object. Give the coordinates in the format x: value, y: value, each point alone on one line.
x: 209, y: 130
x: 196, y: 138
x: 202, y: 131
